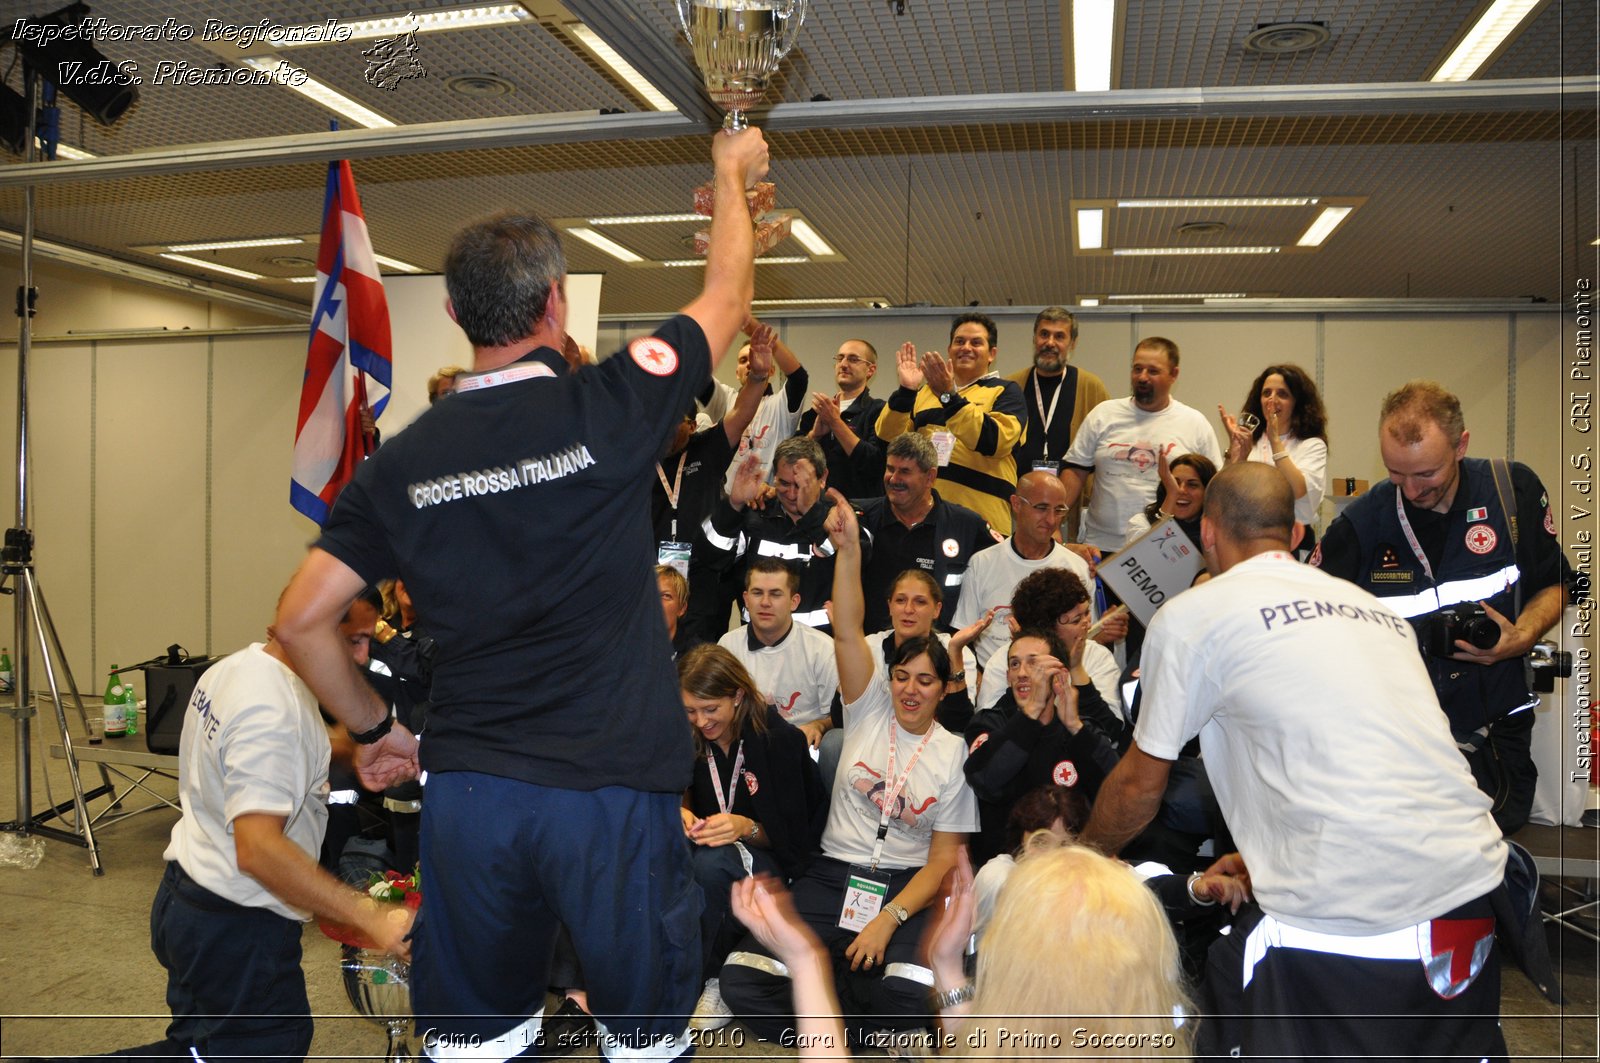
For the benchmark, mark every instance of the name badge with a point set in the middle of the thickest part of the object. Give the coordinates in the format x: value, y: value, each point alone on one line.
x: 864, y: 893
x: 944, y: 444
x: 676, y: 555
x: 1040, y: 465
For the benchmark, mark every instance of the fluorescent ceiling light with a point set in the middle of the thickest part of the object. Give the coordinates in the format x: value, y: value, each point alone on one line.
x: 224, y: 245
x: 770, y: 260
x: 67, y: 151
x: 202, y: 264
x: 296, y: 280
x: 1260, y: 250
x: 618, y: 65
x: 1484, y: 39
x: 292, y: 77
x: 1088, y: 302
x: 809, y: 238
x: 1176, y: 295
x: 457, y: 18
x: 1221, y: 201
x: 1093, y: 26
x: 396, y: 264
x: 644, y: 219
x: 835, y: 300
x: 606, y: 244
x: 1323, y: 227
x: 1091, y: 228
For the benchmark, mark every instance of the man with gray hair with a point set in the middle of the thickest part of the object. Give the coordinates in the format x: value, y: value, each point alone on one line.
x: 911, y: 527
x: 792, y: 529
x: 536, y: 472
x: 1372, y: 856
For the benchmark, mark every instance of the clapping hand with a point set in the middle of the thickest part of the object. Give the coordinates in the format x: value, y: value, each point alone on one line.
x: 936, y: 372
x: 1239, y: 438
x: 906, y: 367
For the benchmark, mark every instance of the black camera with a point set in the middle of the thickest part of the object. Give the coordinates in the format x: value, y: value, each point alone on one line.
x: 1467, y: 622
x: 1546, y: 664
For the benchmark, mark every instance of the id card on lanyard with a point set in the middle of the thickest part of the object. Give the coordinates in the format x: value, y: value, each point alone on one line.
x: 670, y: 551
x: 725, y: 801
x: 867, y: 888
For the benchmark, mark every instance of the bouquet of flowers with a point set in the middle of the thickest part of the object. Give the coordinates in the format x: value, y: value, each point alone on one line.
x: 388, y: 887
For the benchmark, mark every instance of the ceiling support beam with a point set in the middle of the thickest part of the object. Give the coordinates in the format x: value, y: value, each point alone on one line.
x: 1473, y: 97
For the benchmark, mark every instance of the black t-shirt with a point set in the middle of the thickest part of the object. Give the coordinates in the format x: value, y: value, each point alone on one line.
x: 705, y: 461
x: 517, y: 516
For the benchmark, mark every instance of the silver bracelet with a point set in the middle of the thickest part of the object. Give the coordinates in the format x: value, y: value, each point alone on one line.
x: 1205, y: 902
x: 951, y: 997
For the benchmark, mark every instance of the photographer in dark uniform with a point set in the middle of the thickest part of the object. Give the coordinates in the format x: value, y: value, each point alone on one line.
x: 1466, y: 549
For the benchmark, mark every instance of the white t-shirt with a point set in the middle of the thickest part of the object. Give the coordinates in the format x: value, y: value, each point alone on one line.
x: 880, y: 674
x: 1326, y: 746
x: 1099, y: 662
x: 1310, y: 456
x: 254, y: 742
x: 773, y: 423
x: 798, y: 673
x: 1120, y: 443
x: 935, y: 797
x: 992, y: 574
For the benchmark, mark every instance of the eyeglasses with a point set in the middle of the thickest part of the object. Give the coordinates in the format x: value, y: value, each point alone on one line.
x: 1043, y: 508
x: 849, y: 359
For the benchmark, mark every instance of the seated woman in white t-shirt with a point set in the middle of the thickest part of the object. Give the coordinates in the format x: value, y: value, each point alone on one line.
x: 915, y: 601
x: 1181, y: 495
x: 899, y: 813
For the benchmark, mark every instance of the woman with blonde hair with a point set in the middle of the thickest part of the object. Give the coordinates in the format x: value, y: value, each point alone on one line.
x: 1100, y: 976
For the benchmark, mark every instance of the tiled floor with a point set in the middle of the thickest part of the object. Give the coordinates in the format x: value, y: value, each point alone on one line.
x: 77, y: 976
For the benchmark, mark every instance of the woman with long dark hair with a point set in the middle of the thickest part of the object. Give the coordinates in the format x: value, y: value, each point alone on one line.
x: 1292, y: 436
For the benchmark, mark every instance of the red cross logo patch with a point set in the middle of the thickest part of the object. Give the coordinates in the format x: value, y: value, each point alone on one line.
x: 654, y: 355
x: 1065, y: 774
x: 1454, y: 952
x: 976, y: 742
x: 750, y: 782
x: 1481, y: 538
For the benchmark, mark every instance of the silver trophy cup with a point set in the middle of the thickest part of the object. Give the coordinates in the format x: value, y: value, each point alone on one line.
x: 379, y: 987
x: 738, y: 45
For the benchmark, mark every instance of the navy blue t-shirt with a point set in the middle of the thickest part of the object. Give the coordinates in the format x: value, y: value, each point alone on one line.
x: 519, y: 517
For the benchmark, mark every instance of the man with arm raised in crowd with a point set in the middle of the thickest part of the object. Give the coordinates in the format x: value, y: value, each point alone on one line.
x: 537, y: 477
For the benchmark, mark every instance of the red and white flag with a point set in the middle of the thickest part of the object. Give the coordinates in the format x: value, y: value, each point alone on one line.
x: 349, y: 361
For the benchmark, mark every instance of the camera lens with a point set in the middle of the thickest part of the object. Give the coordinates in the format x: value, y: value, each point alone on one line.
x: 1481, y: 631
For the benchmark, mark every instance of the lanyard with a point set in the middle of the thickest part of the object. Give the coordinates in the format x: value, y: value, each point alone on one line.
x: 1411, y: 536
x: 676, y: 490
x: 1047, y: 415
x: 895, y: 786
x: 495, y: 377
x: 726, y: 802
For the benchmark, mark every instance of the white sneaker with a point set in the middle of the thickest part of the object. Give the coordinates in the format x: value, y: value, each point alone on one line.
x: 710, y: 1013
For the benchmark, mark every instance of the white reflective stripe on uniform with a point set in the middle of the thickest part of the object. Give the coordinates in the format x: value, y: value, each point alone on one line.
x: 1150, y: 869
x: 1453, y: 592
x: 1402, y: 944
x: 787, y: 551
x: 755, y: 960
x: 507, y: 1046
x: 613, y: 1046
x: 375, y: 665
x: 954, y: 579
x: 815, y: 618
x: 344, y: 797
x: 910, y: 972
x: 716, y: 538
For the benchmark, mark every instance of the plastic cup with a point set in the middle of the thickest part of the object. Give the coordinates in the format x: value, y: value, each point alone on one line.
x: 97, y: 728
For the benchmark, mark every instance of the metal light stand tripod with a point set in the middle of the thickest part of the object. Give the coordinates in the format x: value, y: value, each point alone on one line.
x: 32, y: 614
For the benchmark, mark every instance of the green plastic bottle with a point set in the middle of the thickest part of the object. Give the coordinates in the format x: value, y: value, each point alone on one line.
x: 8, y: 677
x: 114, y: 707
x: 130, y: 706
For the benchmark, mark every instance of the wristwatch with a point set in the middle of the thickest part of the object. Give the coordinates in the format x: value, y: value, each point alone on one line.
x: 898, y: 913
x: 367, y: 738
x: 951, y: 997
x: 946, y: 397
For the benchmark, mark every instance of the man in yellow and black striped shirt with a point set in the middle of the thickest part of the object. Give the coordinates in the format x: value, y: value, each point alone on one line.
x: 975, y: 418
